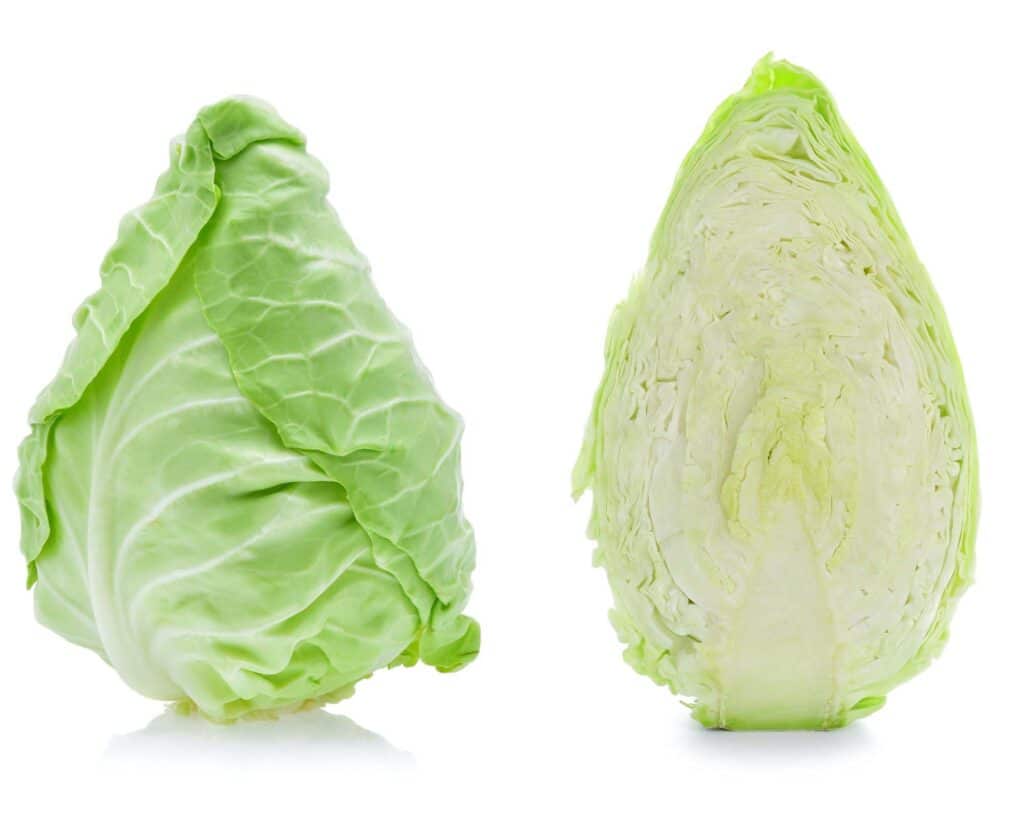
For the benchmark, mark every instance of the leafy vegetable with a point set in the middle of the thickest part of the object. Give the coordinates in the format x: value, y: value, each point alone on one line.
x: 241, y: 489
x: 781, y: 453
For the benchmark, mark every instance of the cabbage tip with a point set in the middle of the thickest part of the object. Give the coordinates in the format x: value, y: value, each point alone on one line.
x: 781, y: 452
x: 241, y: 489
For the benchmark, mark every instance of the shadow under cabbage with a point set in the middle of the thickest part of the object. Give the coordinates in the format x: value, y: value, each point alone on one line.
x: 785, y: 747
x: 315, y: 737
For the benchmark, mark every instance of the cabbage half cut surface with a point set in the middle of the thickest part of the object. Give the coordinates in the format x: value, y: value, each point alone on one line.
x: 781, y: 453
x: 241, y: 489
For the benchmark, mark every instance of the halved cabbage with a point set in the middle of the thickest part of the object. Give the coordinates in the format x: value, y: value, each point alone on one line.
x: 782, y: 457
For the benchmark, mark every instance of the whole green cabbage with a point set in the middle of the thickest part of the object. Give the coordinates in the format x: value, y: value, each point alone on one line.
x: 782, y: 457
x: 241, y: 489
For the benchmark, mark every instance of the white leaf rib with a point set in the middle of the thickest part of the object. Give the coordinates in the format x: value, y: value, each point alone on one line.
x: 137, y: 214
x: 316, y: 394
x: 272, y: 358
x: 277, y: 303
x: 169, y: 413
x: 99, y: 329
x: 195, y: 344
x: 321, y: 590
x: 97, y: 578
x: 74, y: 608
x: 376, y: 409
x: 182, y: 492
x: 417, y: 486
x: 342, y: 337
x: 128, y: 272
x: 69, y: 532
x: 220, y: 559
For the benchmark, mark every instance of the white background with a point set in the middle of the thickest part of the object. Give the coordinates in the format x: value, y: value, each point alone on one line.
x: 502, y: 167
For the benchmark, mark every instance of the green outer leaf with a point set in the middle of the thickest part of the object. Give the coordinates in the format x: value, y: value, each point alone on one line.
x: 141, y: 262
x: 680, y: 659
x: 347, y: 389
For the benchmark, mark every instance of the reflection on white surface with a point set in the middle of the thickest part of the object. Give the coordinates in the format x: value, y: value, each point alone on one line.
x: 781, y: 746
x: 314, y: 738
